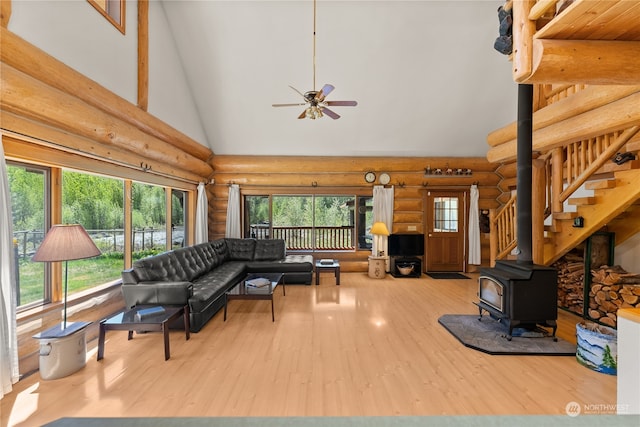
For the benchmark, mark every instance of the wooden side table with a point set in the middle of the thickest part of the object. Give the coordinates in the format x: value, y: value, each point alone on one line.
x: 377, y: 267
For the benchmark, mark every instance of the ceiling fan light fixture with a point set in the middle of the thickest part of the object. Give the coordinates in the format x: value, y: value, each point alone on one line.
x: 316, y: 99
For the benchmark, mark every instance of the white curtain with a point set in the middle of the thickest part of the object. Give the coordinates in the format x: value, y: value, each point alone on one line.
x: 382, y: 212
x: 474, y: 228
x: 8, y: 332
x: 202, y: 215
x: 233, y: 212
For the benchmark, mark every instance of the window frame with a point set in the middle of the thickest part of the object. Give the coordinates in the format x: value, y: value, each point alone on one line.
x: 119, y: 24
x: 357, y: 217
x: 26, y: 154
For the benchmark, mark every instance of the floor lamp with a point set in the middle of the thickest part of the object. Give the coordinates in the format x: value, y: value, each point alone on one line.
x: 66, y: 242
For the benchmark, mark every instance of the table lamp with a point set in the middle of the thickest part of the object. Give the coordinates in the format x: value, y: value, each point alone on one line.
x: 379, y: 229
x: 66, y: 242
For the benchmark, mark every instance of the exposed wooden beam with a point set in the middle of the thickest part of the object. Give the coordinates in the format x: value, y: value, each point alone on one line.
x: 587, y: 99
x: 614, y: 116
x: 143, y: 54
x: 523, y: 30
x: 36, y: 63
x: 248, y: 164
x: 112, y: 161
x: 25, y: 96
x: 5, y: 13
x: 596, y: 62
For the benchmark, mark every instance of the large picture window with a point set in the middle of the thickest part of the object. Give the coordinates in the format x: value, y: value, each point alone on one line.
x: 97, y: 202
x: 310, y: 222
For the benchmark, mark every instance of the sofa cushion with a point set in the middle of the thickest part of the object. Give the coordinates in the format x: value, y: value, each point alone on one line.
x: 160, y: 267
x: 214, y: 283
x: 292, y: 263
x: 241, y: 249
x: 269, y: 250
x: 208, y: 255
x: 191, y: 262
x: 221, y: 249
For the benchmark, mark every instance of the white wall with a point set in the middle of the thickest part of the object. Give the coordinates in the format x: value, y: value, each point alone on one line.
x: 627, y: 254
x: 169, y: 94
x: 75, y: 33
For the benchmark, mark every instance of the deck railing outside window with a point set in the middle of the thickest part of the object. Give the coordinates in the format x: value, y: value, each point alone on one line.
x: 338, y: 238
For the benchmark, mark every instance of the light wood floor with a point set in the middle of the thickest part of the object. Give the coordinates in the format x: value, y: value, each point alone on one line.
x: 367, y: 347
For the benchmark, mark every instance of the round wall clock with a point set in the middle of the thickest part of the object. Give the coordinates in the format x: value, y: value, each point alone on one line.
x: 384, y: 178
x: 370, y: 177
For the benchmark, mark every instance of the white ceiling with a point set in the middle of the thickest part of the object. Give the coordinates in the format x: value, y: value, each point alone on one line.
x: 426, y: 77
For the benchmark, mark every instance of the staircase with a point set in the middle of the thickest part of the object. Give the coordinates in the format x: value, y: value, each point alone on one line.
x: 615, y: 204
x: 584, y: 164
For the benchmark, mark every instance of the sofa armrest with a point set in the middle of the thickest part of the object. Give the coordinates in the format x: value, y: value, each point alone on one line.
x: 170, y: 293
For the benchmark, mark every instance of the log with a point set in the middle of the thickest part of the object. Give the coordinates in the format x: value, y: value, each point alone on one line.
x: 27, y: 97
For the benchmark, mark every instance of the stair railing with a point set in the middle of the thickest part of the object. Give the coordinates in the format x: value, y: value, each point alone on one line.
x: 502, y: 230
x: 583, y: 159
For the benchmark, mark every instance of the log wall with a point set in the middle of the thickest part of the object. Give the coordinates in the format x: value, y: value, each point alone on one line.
x: 345, y: 175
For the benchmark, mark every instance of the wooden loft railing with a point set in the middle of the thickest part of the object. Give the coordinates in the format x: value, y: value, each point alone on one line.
x: 579, y: 41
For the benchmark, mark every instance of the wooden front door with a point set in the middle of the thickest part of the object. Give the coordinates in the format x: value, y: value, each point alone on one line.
x: 445, y: 230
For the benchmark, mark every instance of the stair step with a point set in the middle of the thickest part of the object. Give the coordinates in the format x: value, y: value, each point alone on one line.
x: 565, y: 215
x: 612, y: 167
x: 581, y: 201
x: 600, y: 185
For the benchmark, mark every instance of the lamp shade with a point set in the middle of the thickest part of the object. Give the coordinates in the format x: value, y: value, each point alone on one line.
x: 379, y: 229
x: 66, y: 242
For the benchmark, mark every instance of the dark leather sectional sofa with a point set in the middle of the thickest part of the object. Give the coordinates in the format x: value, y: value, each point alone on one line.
x: 200, y: 275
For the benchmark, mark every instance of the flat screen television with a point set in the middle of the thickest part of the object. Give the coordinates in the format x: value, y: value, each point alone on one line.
x: 406, y: 244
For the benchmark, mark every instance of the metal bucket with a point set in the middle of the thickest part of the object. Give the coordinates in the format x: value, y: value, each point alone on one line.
x: 62, y: 356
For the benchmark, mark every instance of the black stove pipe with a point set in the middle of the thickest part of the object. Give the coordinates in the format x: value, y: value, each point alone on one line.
x: 524, y: 174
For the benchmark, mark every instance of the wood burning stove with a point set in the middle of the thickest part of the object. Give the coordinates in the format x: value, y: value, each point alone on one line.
x: 519, y: 295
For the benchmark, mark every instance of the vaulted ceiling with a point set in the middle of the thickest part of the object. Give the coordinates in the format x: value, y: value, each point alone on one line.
x: 426, y: 77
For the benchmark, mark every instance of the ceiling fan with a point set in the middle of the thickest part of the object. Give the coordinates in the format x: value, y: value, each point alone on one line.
x: 313, y: 99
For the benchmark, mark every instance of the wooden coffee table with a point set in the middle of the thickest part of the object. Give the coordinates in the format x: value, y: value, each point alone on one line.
x: 127, y: 321
x: 243, y: 292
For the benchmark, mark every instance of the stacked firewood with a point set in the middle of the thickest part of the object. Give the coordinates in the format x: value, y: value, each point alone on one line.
x: 571, y: 282
x: 612, y: 288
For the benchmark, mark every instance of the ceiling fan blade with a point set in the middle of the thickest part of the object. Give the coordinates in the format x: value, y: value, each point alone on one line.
x: 303, y: 114
x: 300, y: 93
x: 330, y: 113
x: 326, y: 90
x: 288, y: 105
x: 342, y: 103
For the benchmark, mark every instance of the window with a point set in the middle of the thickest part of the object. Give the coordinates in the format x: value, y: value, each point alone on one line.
x: 256, y: 217
x: 365, y: 222
x: 310, y: 222
x: 445, y: 214
x: 30, y: 207
x: 96, y: 203
x: 113, y: 10
x: 178, y: 218
x: 149, y: 221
